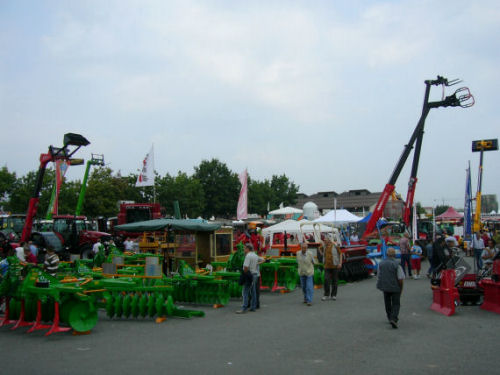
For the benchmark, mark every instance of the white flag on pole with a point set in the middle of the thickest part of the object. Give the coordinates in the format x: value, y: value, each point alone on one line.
x: 242, y: 210
x: 146, y: 176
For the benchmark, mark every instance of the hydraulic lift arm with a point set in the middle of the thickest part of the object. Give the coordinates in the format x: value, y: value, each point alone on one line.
x: 481, y: 146
x: 95, y: 160
x: 54, y: 153
x: 462, y: 97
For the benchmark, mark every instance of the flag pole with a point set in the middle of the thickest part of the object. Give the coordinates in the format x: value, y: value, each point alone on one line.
x: 154, y: 182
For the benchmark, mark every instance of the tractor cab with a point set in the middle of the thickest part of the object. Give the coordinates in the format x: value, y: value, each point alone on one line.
x: 77, y: 234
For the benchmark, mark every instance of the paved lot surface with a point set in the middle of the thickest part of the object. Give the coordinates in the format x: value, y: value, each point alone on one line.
x: 347, y: 336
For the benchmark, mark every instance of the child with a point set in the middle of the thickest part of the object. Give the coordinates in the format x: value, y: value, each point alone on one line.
x: 416, y: 254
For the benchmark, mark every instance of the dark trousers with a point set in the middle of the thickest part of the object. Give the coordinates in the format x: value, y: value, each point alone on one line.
x: 331, y: 278
x: 405, y: 259
x: 392, y: 305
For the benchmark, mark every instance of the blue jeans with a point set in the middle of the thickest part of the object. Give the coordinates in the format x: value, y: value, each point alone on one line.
x: 479, y: 260
x: 307, y: 287
x: 249, y: 293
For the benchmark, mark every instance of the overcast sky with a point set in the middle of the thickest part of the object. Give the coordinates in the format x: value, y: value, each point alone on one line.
x: 326, y: 92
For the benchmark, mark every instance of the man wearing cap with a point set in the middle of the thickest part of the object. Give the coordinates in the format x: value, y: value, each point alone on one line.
x: 390, y: 278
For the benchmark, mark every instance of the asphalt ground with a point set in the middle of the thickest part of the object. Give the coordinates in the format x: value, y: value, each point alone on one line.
x: 347, y: 336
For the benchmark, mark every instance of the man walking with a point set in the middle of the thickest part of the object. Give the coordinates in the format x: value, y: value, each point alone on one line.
x: 305, y: 261
x: 390, y: 281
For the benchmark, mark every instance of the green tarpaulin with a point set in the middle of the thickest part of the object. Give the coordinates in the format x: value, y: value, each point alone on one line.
x: 173, y: 224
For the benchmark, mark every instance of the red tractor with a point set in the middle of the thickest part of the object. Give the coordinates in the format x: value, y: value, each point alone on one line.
x: 77, y: 234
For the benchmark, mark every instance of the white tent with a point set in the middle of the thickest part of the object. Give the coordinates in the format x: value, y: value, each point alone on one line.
x: 338, y: 217
x: 286, y: 211
x: 297, y: 228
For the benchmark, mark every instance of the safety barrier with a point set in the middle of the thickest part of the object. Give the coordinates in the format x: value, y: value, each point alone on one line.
x: 445, y: 297
x: 491, y: 300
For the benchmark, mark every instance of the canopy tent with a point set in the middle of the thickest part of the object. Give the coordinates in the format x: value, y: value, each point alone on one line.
x: 174, y: 224
x: 450, y: 215
x: 338, y: 217
x: 286, y: 211
x: 296, y: 228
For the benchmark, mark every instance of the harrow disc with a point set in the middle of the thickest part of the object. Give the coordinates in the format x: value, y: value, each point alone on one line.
x: 135, y: 305
x: 82, y: 317
x: 127, y: 305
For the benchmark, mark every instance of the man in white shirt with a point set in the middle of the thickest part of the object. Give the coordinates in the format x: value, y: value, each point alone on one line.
x: 478, y: 246
x: 250, y: 268
x: 97, y: 245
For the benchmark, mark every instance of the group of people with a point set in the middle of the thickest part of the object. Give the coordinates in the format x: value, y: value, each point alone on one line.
x: 332, y: 263
x: 485, y: 250
x: 28, y: 252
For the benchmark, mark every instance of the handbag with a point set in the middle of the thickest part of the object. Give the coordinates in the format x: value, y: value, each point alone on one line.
x: 245, y: 278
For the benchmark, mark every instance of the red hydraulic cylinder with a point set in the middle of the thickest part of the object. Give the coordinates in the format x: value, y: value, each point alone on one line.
x: 379, y: 209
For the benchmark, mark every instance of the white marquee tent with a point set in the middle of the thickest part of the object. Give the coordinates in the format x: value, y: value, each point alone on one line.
x: 286, y: 211
x: 338, y: 217
x: 297, y: 228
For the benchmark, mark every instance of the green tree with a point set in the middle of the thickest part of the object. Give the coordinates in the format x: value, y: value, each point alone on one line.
x: 221, y: 188
x: 259, y: 195
x: 104, y: 190
x: 24, y: 188
x: 68, y: 197
x: 7, y: 184
x: 183, y: 188
x: 284, y: 191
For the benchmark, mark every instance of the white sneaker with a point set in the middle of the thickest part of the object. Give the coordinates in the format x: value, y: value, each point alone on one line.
x: 334, y: 298
x: 415, y: 277
x: 324, y: 298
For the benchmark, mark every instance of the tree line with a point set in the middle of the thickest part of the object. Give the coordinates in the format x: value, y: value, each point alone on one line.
x: 212, y: 190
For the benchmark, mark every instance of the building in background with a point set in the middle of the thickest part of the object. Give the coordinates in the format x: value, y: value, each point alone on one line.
x: 359, y: 202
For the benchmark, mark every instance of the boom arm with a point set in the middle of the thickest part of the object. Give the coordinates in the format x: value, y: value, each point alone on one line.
x: 54, y: 153
x: 95, y: 160
x: 481, y: 146
x: 464, y: 99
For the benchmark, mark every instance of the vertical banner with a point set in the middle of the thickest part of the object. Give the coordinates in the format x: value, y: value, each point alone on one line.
x: 146, y: 176
x: 242, y: 210
x: 468, y: 206
x: 61, y: 168
x: 414, y: 229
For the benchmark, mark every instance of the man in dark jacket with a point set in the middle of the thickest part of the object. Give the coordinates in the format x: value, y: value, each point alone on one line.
x: 390, y: 281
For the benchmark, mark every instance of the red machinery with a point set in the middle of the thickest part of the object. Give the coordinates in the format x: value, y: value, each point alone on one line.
x: 461, y: 97
x: 75, y: 141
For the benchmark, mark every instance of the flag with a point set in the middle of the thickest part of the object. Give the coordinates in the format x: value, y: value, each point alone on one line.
x: 146, y: 176
x: 468, y: 207
x: 242, y: 210
x: 61, y: 168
